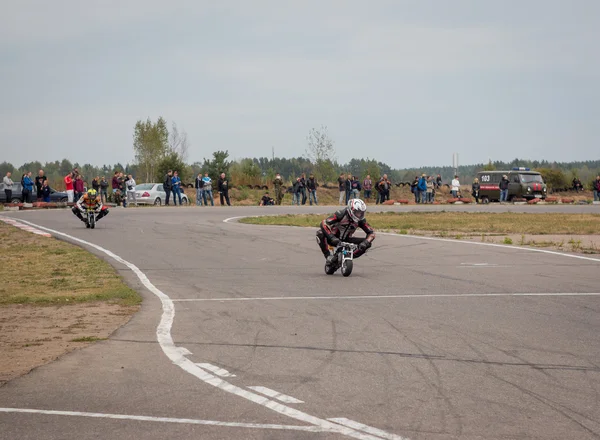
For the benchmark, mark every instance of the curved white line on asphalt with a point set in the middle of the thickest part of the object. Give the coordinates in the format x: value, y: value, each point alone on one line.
x: 544, y: 251
x: 165, y: 340
x: 164, y: 419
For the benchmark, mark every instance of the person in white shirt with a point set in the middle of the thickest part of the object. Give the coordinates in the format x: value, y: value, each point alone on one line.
x: 455, y: 187
x: 130, y: 185
x: 8, y: 185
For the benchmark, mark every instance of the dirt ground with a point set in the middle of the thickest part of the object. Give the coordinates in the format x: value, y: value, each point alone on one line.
x: 32, y: 335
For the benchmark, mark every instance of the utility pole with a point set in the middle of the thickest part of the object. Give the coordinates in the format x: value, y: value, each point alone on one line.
x: 455, y: 163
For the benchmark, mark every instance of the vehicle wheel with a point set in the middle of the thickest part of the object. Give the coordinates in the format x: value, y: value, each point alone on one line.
x: 64, y: 200
x: 485, y: 200
x: 347, y: 268
x: 157, y: 202
x: 93, y: 225
x: 184, y: 201
x: 329, y: 269
x: 15, y: 201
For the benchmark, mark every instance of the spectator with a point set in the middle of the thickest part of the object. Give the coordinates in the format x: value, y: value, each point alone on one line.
x: 429, y: 191
x: 367, y: 187
x: 348, y: 187
x: 207, y: 193
x: 8, y: 185
x: 103, y: 190
x: 303, y: 187
x: 27, y: 184
x: 130, y: 185
x: 223, y: 186
x: 123, y: 188
x: 414, y: 188
x: 69, y: 187
x: 422, y: 186
x: 115, y: 182
x: 168, y: 186
x: 118, y: 197
x: 342, y: 188
x: 278, y: 185
x: 384, y: 188
x: 78, y: 186
x: 504, y: 188
x: 595, y: 186
x: 455, y: 187
x: 39, y: 183
x: 296, y: 192
x: 96, y: 184
x: 577, y: 185
x: 176, y: 188
x: 475, y: 189
x: 45, y: 193
x: 355, y: 188
x: 266, y: 200
x: 199, y: 185
x: 311, y: 185
x: 378, y: 190
x: 438, y: 181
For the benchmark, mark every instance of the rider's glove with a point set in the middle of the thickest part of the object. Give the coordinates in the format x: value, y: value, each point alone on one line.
x: 364, y: 245
x: 334, y: 240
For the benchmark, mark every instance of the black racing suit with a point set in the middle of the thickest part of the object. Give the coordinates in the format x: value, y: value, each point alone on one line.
x: 340, y: 226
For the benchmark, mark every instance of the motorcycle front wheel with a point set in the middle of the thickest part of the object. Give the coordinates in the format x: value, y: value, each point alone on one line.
x: 347, y: 268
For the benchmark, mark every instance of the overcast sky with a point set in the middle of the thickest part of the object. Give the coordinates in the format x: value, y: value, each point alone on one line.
x: 405, y: 82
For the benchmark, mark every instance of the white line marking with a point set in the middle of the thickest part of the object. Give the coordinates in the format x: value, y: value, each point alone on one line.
x: 165, y: 340
x: 235, y: 218
x: 184, y: 351
x: 276, y: 395
x: 417, y: 295
x: 356, y: 425
x: 164, y: 419
x: 217, y: 370
x: 26, y: 228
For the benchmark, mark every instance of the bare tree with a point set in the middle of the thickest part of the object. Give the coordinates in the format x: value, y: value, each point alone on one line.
x: 321, y: 152
x: 178, y: 142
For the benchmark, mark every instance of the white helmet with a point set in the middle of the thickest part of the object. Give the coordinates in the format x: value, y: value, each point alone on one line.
x: 356, y: 209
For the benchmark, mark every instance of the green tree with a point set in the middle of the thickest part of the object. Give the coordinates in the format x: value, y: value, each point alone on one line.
x: 219, y: 164
x: 65, y: 167
x: 489, y: 167
x: 321, y: 153
x: 172, y: 161
x: 150, y: 144
x: 554, y: 178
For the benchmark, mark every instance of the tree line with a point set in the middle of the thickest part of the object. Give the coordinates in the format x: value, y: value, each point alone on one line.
x: 157, y: 149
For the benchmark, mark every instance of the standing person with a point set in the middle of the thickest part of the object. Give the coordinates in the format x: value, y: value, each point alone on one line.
x: 130, y: 185
x: 96, y: 184
x: 455, y: 187
x: 199, y: 185
x: 168, y: 186
x: 115, y: 182
x: 596, y: 187
x: 69, y: 187
x: 348, y: 187
x: 378, y: 191
x: 208, y: 194
x: 422, y: 186
x: 78, y: 186
x: 296, y: 192
x: 438, y: 181
x: 429, y: 192
x: 8, y: 185
x: 45, y: 193
x: 223, y: 187
x: 103, y: 190
x: 278, y: 185
x: 39, y: 183
x: 414, y: 188
x: 311, y: 185
x: 176, y: 187
x: 27, y: 184
x: 367, y: 187
x: 384, y: 188
x: 355, y: 188
x: 342, y: 188
x: 303, y: 187
x: 475, y: 187
x: 504, y: 188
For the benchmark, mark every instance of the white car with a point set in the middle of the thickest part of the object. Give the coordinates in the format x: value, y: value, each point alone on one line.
x: 154, y: 194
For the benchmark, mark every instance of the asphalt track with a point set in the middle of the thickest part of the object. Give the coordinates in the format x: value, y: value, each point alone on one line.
x: 427, y: 339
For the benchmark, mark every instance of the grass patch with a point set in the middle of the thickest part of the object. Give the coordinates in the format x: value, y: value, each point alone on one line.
x: 444, y: 223
x: 88, y: 339
x: 41, y: 270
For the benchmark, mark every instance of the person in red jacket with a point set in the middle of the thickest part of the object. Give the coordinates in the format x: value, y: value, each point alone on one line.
x: 69, y: 187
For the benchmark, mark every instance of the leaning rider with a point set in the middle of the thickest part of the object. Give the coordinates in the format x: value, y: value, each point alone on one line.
x: 90, y: 200
x: 341, y: 226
